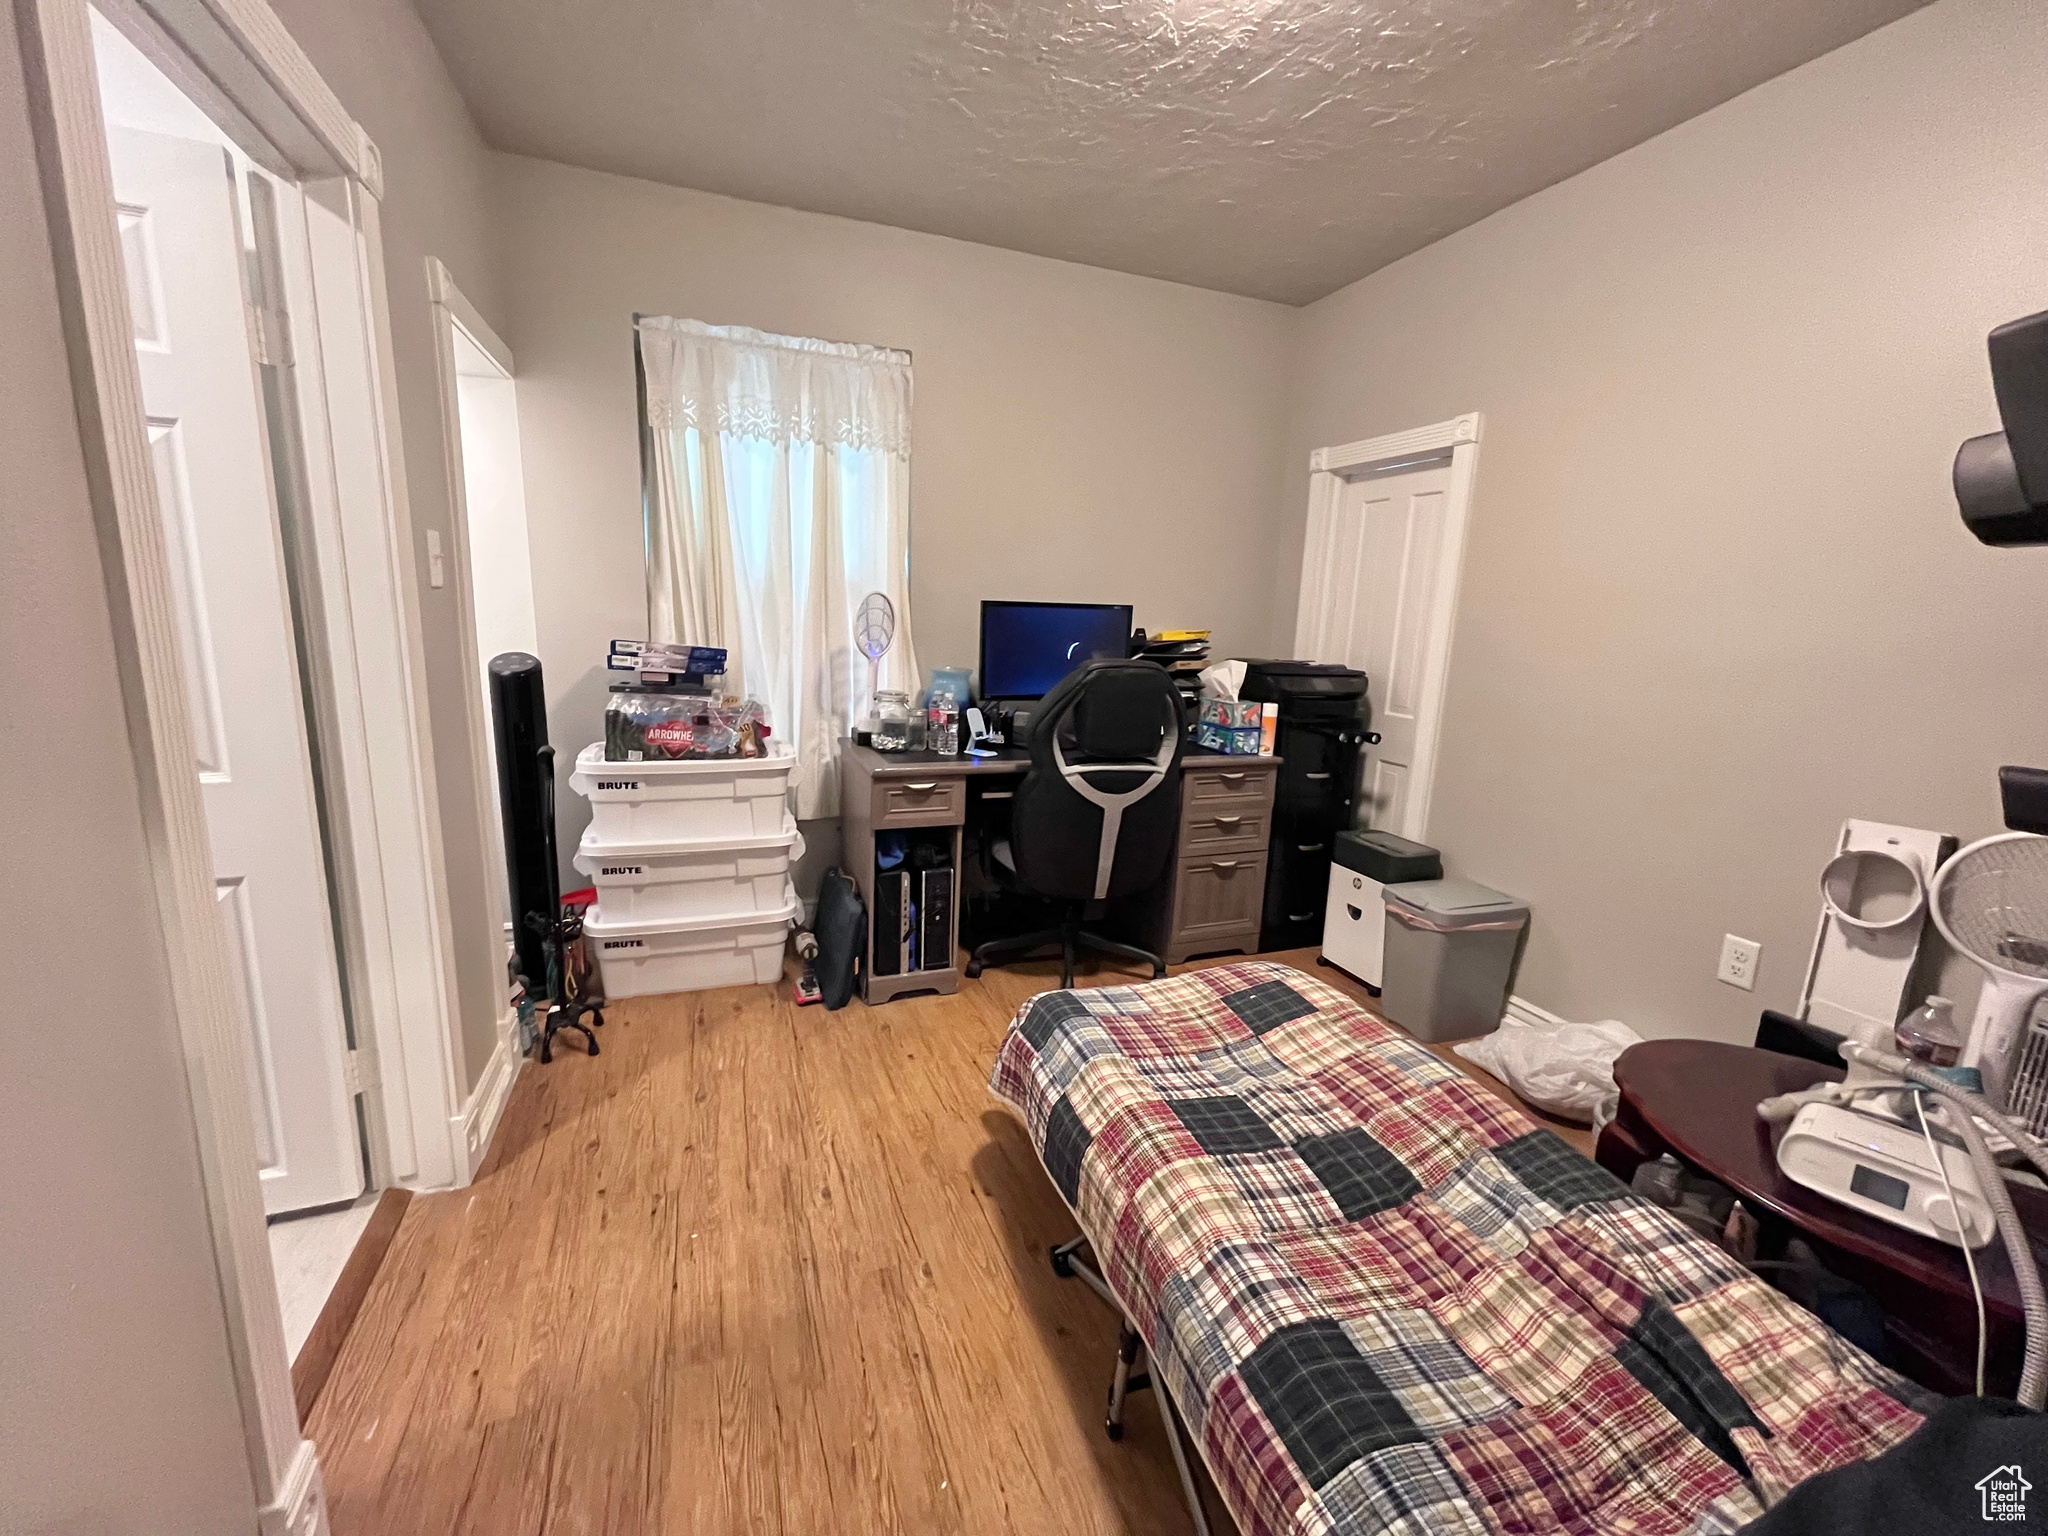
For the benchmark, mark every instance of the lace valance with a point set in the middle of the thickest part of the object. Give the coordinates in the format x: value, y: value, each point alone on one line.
x: 747, y: 383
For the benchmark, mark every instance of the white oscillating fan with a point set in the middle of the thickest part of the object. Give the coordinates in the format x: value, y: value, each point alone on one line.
x: 874, y: 629
x: 1991, y: 902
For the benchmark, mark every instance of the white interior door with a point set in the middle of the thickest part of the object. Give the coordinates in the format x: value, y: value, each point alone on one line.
x: 181, y: 237
x: 1388, y: 579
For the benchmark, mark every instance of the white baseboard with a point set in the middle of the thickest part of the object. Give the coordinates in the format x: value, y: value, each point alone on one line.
x: 473, y: 1129
x: 301, y: 1505
x: 1522, y: 1011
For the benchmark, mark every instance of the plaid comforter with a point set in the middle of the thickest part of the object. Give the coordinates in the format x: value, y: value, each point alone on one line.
x: 1386, y: 1301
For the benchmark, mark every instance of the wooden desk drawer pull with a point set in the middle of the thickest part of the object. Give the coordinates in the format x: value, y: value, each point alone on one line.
x: 922, y: 789
x: 1315, y: 775
x: 1231, y: 776
x: 1225, y: 864
x: 1227, y: 821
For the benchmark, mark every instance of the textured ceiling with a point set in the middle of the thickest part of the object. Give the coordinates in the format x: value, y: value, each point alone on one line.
x: 1278, y: 148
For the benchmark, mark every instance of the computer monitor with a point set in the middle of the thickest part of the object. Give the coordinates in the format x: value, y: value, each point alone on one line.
x: 1026, y: 648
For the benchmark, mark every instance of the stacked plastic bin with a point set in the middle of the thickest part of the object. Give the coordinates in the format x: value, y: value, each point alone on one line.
x: 691, y: 863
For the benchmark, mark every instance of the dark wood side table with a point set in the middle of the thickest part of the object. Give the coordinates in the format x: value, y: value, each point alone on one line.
x: 1696, y: 1099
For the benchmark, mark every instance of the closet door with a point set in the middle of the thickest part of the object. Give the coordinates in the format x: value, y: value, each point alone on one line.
x: 182, y: 237
x: 1387, y: 579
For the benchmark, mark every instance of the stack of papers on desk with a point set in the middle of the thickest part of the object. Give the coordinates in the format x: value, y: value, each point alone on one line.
x: 1184, y: 653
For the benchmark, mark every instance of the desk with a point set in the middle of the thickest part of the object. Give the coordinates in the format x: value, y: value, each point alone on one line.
x: 1696, y: 1099
x: 1209, y: 903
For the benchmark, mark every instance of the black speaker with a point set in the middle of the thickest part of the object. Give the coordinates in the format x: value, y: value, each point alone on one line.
x: 526, y: 803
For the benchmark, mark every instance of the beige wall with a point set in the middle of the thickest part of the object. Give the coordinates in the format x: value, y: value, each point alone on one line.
x: 1717, y: 597
x: 117, y: 1400
x: 1080, y: 435
x: 377, y: 57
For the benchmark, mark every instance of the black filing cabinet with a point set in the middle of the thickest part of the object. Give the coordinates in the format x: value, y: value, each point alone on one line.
x: 1321, y: 731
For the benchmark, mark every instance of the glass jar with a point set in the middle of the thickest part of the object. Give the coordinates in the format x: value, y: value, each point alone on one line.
x: 892, y: 720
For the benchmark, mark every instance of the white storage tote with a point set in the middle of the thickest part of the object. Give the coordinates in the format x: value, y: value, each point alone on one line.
x: 691, y: 800
x: 661, y: 882
x: 641, y: 959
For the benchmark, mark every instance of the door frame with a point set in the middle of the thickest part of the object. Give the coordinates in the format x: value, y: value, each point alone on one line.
x: 236, y: 59
x: 451, y: 310
x: 1329, y: 468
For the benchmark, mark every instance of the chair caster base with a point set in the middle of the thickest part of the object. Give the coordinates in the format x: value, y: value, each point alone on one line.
x: 1114, y: 1430
x: 1062, y: 1261
x: 973, y: 969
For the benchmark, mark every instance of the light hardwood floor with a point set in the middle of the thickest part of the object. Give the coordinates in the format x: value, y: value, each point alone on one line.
x: 754, y: 1268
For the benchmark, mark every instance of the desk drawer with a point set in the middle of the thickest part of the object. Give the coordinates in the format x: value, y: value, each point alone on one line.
x: 1207, y: 788
x: 1217, y: 896
x: 1223, y: 828
x: 932, y: 802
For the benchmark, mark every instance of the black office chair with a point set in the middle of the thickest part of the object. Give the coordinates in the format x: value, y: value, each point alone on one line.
x: 1096, y: 814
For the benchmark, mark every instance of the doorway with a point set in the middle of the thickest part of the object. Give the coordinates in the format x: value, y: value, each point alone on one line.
x: 1381, y: 566
x: 310, y: 330
x: 201, y: 248
x: 492, y: 556
x: 203, y: 255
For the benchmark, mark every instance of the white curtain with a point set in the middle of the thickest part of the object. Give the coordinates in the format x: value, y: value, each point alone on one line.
x: 778, y: 496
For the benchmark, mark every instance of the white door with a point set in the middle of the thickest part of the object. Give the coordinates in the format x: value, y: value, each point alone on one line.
x: 1388, y: 577
x: 181, y: 236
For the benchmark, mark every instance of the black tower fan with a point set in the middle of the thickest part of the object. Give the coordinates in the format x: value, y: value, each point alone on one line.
x: 526, y: 804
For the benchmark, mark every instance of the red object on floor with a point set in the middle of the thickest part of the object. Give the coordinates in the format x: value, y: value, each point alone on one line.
x: 577, y: 901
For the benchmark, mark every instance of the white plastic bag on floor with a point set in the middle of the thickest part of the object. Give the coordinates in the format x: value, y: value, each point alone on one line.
x: 1562, y: 1068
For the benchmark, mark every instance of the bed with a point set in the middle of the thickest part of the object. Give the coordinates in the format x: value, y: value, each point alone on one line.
x: 1384, y: 1300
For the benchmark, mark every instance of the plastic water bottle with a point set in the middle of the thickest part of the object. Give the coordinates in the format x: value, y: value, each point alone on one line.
x: 942, y: 723
x: 1930, y: 1034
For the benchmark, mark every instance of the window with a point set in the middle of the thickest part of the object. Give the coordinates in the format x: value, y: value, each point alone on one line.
x: 776, y: 476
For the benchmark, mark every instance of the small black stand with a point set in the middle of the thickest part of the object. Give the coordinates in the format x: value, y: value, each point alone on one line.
x: 566, y: 1004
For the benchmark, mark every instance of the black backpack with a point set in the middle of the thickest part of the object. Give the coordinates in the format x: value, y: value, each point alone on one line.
x: 842, y: 932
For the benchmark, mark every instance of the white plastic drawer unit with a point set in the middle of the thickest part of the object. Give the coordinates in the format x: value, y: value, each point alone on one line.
x: 1354, y: 924
x: 693, y: 800
x: 651, y: 882
x: 643, y: 959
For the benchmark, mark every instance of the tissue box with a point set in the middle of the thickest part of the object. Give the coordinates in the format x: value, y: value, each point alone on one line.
x: 1242, y: 741
x: 1231, y: 714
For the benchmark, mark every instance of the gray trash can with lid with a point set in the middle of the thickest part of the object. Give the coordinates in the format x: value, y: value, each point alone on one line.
x: 1450, y: 956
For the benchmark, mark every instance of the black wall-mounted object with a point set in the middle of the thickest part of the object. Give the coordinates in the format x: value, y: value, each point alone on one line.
x: 2001, y: 478
x: 2023, y: 793
x: 526, y: 804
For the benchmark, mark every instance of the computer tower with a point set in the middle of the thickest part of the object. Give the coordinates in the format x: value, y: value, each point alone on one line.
x: 892, y: 922
x: 526, y: 804
x: 935, y: 919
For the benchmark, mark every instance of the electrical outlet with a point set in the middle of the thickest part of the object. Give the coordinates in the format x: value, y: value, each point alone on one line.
x: 1739, y: 959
